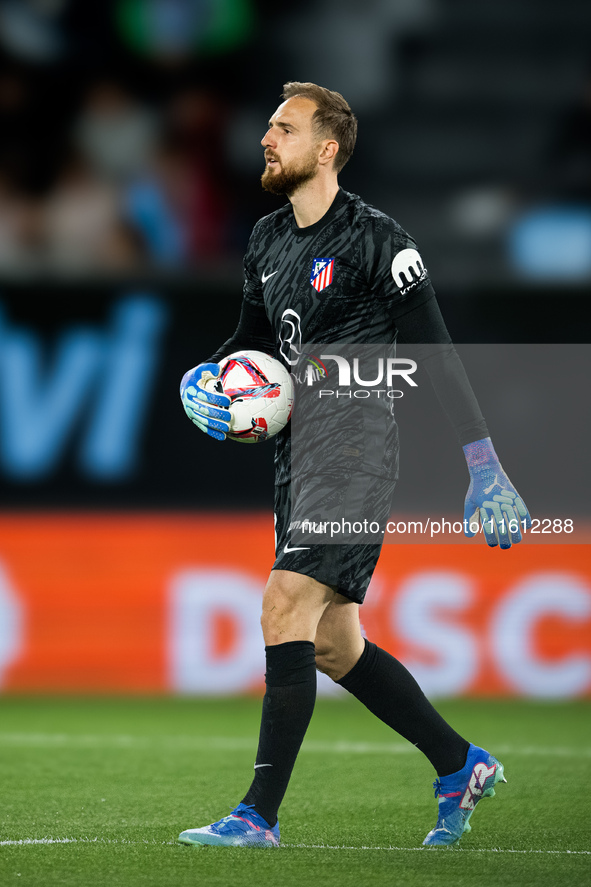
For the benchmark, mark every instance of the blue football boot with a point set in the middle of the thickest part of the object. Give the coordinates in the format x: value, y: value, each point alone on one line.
x: 459, y: 793
x: 242, y: 828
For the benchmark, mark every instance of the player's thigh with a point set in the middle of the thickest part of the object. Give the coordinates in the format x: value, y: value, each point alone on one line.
x: 293, y: 604
x: 339, y: 642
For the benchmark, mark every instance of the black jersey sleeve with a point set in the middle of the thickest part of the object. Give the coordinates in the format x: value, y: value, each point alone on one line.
x: 421, y: 324
x: 253, y: 332
x: 253, y: 287
x: 395, y: 269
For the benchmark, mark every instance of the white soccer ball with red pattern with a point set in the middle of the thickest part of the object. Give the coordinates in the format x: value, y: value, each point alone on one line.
x: 261, y: 390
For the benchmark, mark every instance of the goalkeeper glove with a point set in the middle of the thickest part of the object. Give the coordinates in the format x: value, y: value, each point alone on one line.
x: 492, y: 497
x: 207, y: 409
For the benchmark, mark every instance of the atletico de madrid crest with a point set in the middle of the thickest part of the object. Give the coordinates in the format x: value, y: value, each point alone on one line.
x: 322, y: 271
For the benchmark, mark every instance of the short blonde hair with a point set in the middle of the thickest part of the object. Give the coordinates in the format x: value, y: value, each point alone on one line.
x: 333, y: 118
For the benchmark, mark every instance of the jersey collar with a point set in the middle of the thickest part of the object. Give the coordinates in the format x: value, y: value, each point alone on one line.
x: 326, y: 218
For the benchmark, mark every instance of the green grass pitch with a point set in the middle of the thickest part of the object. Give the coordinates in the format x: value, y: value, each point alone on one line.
x: 95, y: 792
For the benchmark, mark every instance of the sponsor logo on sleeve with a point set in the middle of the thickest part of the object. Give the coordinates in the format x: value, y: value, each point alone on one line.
x: 408, y: 270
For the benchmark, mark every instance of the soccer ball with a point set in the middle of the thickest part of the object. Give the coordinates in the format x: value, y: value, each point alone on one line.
x: 261, y: 390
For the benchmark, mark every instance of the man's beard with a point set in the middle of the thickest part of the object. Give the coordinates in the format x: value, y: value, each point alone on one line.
x: 290, y: 178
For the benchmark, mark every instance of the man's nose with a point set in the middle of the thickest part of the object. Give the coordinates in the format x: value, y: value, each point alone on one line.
x: 268, y: 141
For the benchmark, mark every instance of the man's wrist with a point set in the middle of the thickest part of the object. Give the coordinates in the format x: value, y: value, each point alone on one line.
x: 480, y: 452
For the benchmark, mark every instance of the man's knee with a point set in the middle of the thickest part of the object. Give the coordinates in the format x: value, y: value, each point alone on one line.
x: 292, y: 607
x: 280, y: 605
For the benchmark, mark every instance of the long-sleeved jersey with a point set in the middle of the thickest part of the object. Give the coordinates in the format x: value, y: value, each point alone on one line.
x: 355, y: 277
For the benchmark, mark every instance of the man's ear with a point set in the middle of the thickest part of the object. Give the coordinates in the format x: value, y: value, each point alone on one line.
x: 329, y: 151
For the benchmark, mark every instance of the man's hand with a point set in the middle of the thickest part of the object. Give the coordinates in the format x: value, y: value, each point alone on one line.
x: 492, y: 498
x: 208, y: 410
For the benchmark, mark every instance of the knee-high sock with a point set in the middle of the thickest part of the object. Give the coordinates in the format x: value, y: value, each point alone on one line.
x: 287, y: 708
x: 391, y: 693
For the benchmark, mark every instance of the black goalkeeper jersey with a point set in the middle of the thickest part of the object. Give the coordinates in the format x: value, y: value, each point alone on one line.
x: 337, y: 280
x: 354, y: 277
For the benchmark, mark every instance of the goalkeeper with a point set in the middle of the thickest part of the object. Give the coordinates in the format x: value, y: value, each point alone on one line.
x: 328, y: 267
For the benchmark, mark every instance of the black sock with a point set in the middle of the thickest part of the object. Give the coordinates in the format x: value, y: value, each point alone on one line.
x: 391, y: 693
x: 287, y: 708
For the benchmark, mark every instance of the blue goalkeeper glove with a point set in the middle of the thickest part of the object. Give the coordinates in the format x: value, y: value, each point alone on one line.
x: 492, y: 498
x: 207, y: 409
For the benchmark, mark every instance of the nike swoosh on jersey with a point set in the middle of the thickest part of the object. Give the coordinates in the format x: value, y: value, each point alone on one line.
x: 256, y: 766
x: 265, y: 277
x: 287, y: 549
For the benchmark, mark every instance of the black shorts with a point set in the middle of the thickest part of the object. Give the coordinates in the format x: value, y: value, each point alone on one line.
x: 346, y: 567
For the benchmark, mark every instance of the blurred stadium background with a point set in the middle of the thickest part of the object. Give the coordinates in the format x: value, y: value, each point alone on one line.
x: 133, y: 550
